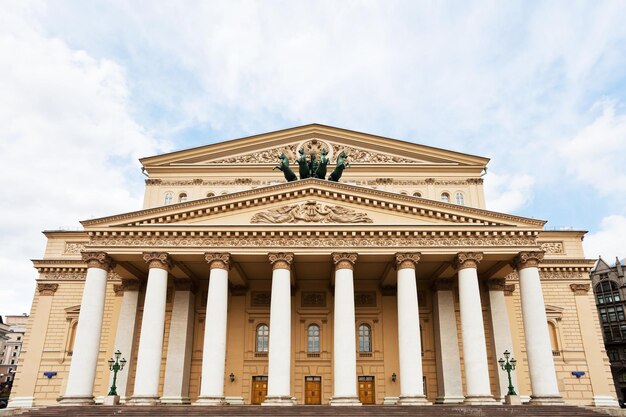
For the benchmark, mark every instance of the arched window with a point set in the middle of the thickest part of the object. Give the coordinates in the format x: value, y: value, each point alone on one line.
x: 365, y: 338
x: 262, y: 338
x: 404, y: 193
x: 182, y: 197
x: 445, y: 197
x: 70, y: 347
x: 460, y: 200
x: 210, y: 194
x: 168, y: 198
x: 553, y: 339
x: 313, y: 338
x: 417, y: 194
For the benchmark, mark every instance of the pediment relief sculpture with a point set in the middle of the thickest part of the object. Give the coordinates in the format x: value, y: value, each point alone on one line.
x: 311, y: 212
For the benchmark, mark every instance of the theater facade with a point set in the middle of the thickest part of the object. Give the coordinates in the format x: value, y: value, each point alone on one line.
x: 240, y: 284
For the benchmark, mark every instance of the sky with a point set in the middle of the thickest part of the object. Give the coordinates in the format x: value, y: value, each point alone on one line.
x: 87, y: 88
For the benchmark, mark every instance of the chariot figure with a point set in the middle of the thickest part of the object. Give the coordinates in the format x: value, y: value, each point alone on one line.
x: 342, y: 164
x: 283, y: 165
x: 304, y: 165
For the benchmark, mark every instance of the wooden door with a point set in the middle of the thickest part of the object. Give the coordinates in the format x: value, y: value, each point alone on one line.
x: 313, y: 390
x: 366, y: 390
x: 259, y: 389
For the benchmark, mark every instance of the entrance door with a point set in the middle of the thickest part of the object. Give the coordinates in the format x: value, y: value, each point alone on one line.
x: 259, y: 389
x: 366, y: 390
x: 313, y: 390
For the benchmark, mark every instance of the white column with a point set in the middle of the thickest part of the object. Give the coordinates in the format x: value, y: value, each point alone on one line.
x: 150, y: 353
x: 543, y: 382
x: 409, y: 343
x: 449, y: 384
x: 501, y: 332
x: 279, y: 364
x: 125, y: 335
x: 82, y: 374
x: 344, y: 346
x: 473, y: 331
x: 179, y: 347
x: 214, y: 350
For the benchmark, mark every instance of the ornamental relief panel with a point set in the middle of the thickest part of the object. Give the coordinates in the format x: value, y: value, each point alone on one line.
x: 307, y: 242
x: 74, y: 276
x: 311, y: 212
x: 555, y: 248
x: 74, y: 248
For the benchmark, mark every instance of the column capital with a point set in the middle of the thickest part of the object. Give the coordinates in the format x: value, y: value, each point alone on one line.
x: 509, y: 289
x: 465, y: 260
x: 161, y: 260
x: 407, y: 260
x: 131, y: 284
x: 580, y: 289
x: 46, y: 288
x: 280, y: 260
x: 528, y: 259
x: 98, y: 260
x: 496, y: 284
x: 344, y: 260
x: 443, y: 284
x: 218, y: 260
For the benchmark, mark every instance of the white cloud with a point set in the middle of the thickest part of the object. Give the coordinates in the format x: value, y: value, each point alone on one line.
x: 508, y: 193
x: 596, y: 153
x: 68, y: 145
x: 609, y: 241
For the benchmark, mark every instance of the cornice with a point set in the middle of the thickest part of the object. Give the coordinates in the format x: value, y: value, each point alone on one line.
x: 312, y: 188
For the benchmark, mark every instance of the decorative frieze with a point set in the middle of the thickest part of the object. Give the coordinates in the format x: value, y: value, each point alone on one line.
x: 407, y: 260
x: 281, y: 260
x: 267, y: 156
x: 314, y: 239
x: 313, y: 299
x: 528, y: 260
x: 218, y: 260
x: 74, y: 248
x: 161, y: 260
x: 98, y: 260
x: 580, y: 289
x: 344, y: 260
x: 47, y: 289
x: 311, y: 212
x: 468, y: 260
x: 552, y: 248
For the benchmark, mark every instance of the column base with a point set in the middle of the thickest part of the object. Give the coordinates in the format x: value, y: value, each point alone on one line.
x: 449, y: 399
x: 175, y: 400
x: 144, y: 400
x: 76, y: 400
x: 512, y: 400
x: 390, y: 400
x: 209, y: 400
x: 280, y: 400
x: 111, y: 400
x: 604, y: 401
x: 234, y: 400
x: 480, y: 400
x: 413, y: 400
x: 546, y: 400
x: 21, y: 402
x: 345, y: 401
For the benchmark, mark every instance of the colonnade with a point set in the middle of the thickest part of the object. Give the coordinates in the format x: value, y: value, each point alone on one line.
x: 146, y: 387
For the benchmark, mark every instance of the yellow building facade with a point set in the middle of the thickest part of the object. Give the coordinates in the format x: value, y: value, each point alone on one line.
x: 235, y: 286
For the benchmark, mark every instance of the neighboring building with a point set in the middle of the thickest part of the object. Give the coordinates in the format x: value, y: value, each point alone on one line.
x: 609, y: 287
x: 394, y: 284
x: 11, y: 346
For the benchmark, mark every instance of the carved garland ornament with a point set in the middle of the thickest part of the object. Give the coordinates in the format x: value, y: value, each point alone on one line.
x: 281, y: 260
x: 306, y: 241
x: 98, y: 260
x: 552, y: 247
x: 218, y: 260
x: 161, y: 260
x: 407, y: 260
x: 311, y: 212
x: 468, y: 260
x: 344, y: 260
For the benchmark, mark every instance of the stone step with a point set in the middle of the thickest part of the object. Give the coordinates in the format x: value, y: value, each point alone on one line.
x: 314, y: 411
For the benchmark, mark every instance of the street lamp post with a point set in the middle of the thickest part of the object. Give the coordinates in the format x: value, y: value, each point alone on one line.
x: 508, y: 366
x: 116, y: 366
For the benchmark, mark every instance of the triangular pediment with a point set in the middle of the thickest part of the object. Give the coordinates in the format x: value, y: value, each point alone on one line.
x: 361, y: 148
x: 313, y: 202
